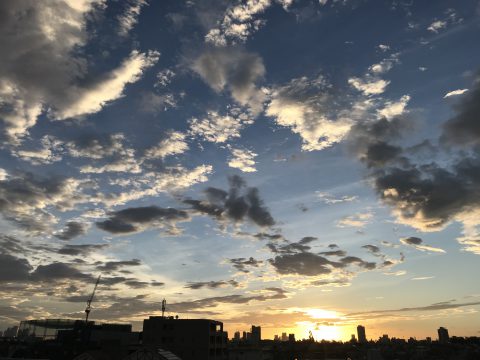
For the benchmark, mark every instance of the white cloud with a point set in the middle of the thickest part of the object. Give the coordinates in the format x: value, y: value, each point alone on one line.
x: 238, y: 22
x: 49, y: 152
x: 436, y: 26
x: 51, y: 77
x: 220, y: 128
x: 130, y: 16
x: 91, y: 100
x: 356, y: 220
x: 420, y: 278
x: 243, y: 160
x: 153, y: 183
x: 331, y: 199
x: 384, y: 47
x: 174, y: 144
x: 455, y: 93
x: 372, y: 86
x: 303, y: 105
x: 48, y: 33
x: 470, y: 238
x: 3, y: 174
x: 164, y: 77
x: 392, y: 109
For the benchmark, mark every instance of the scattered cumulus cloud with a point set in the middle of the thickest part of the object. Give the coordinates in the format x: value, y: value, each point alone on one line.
x: 437, y: 25
x: 303, y: 105
x: 219, y: 128
x: 243, y: 159
x: 239, y: 22
x: 356, y: 220
x: 393, y: 109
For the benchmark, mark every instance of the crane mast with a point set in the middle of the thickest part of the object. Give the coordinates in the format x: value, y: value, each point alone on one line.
x: 89, y: 301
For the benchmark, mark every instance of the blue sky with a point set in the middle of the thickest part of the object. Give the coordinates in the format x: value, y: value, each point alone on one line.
x: 300, y: 165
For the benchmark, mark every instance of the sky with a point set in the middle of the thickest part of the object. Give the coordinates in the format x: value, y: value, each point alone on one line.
x: 295, y: 164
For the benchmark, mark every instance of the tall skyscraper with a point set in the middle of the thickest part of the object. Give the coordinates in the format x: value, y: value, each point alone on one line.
x: 256, y: 334
x: 443, y: 337
x: 362, y: 338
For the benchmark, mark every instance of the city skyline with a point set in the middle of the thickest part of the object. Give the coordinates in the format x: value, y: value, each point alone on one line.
x: 303, y: 165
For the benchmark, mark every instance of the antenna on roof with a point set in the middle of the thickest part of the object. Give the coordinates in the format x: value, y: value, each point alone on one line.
x: 89, y: 301
x: 164, y: 305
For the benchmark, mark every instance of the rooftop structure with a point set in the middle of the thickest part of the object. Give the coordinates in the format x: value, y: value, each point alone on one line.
x: 189, y: 339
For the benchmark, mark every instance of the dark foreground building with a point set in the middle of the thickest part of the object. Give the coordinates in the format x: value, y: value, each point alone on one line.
x: 189, y: 339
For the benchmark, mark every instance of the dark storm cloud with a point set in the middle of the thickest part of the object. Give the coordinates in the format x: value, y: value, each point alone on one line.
x: 310, y: 264
x: 371, y: 141
x: 58, y: 271
x: 373, y: 249
x: 381, y: 153
x: 81, y: 250
x: 412, y: 241
x: 25, y: 198
x: 13, y: 268
x: 464, y: 128
x: 292, y: 247
x: 295, y: 258
x: 116, y: 265
x: 136, y: 219
x: 241, y: 264
x: 266, y: 236
x: 334, y: 253
x: 234, y: 69
x: 426, y: 196
x: 357, y: 261
x: 211, y: 284
x: 238, y: 204
x: 304, y: 263
x: 11, y: 245
x: 71, y: 230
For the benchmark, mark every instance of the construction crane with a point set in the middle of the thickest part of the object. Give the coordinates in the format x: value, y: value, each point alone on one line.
x: 164, y: 305
x: 89, y: 301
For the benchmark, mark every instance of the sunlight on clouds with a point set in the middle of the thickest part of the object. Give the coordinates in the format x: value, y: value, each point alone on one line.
x: 317, y: 131
x: 243, y: 159
x: 92, y: 100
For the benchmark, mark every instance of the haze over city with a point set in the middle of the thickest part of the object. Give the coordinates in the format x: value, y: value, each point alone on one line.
x: 306, y: 166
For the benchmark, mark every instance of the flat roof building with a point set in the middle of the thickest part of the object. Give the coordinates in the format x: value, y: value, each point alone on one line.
x: 189, y: 339
x: 362, y: 337
x: 443, y: 337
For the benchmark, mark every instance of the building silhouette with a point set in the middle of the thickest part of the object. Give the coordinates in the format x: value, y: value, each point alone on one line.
x: 236, y: 336
x: 362, y: 338
x: 443, y: 337
x: 10, y: 332
x: 256, y: 334
x: 189, y: 339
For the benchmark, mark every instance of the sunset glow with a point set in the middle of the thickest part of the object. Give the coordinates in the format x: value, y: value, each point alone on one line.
x: 298, y: 165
